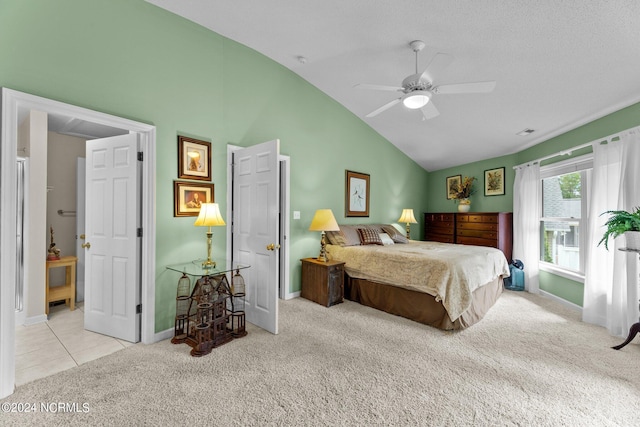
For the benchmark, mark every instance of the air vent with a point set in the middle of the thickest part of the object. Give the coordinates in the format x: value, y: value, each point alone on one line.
x: 525, y: 132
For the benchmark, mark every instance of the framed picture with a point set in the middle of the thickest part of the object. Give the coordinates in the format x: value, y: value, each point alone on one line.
x: 189, y: 196
x: 494, y: 182
x: 453, y: 183
x: 356, y: 194
x: 194, y: 159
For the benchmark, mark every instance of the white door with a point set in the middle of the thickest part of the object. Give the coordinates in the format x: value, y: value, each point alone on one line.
x: 112, y: 260
x: 80, y: 234
x: 256, y: 229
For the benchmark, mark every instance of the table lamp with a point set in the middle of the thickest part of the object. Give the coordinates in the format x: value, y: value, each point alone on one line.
x: 408, y: 218
x: 209, y: 217
x: 323, y: 221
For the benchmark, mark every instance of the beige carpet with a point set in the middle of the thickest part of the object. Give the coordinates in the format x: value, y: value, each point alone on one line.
x: 530, y: 362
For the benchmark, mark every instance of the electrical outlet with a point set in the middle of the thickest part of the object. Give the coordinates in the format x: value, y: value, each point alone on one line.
x: 296, y: 214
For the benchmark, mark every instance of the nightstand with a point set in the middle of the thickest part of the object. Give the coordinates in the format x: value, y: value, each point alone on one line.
x: 323, y: 282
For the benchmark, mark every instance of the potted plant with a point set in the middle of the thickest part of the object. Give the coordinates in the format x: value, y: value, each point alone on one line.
x: 623, y: 222
x: 463, y: 192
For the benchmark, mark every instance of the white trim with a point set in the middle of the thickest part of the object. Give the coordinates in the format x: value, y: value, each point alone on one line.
x: 574, y: 164
x: 562, y: 272
x: 230, y: 149
x: 35, y: 319
x: 562, y: 301
x: 285, y: 230
x: 12, y: 103
x: 292, y: 295
x: 163, y: 335
x: 8, y: 183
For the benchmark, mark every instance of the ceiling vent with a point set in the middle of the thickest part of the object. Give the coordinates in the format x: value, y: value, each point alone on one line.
x: 525, y: 132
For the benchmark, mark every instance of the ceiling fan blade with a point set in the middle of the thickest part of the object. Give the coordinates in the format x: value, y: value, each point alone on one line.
x: 383, y: 108
x: 430, y: 111
x: 378, y: 87
x: 438, y: 63
x: 476, y: 87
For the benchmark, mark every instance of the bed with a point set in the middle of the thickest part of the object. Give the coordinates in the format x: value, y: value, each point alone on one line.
x: 444, y: 285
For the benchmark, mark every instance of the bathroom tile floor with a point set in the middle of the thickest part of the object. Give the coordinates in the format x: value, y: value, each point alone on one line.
x: 59, y: 344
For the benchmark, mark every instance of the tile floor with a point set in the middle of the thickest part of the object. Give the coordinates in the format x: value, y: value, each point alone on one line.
x: 59, y: 344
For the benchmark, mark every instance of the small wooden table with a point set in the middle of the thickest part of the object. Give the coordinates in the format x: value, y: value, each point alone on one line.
x: 67, y: 291
x: 322, y: 282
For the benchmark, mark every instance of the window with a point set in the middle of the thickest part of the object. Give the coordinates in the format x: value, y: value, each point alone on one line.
x: 563, y: 218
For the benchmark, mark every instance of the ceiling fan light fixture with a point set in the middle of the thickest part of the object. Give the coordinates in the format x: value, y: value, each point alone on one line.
x: 416, y: 99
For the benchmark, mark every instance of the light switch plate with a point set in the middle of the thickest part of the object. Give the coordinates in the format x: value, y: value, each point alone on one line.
x: 296, y: 214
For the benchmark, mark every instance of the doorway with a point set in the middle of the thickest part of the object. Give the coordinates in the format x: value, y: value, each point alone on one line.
x: 15, y: 105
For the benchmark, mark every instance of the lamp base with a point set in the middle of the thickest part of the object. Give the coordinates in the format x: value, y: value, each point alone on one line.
x: 323, y: 251
x: 209, y: 264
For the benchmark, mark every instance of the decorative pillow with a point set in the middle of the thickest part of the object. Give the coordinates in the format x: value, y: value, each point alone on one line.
x: 336, y: 238
x: 395, y: 235
x: 369, y: 237
x: 385, y: 239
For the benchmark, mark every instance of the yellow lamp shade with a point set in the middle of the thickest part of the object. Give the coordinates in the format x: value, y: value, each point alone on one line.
x: 209, y: 216
x: 324, y: 220
x: 407, y: 217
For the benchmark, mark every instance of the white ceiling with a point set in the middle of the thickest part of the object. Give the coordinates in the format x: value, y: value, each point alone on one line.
x: 557, y: 64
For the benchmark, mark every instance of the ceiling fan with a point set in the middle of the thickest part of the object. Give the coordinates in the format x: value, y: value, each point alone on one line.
x: 418, y: 88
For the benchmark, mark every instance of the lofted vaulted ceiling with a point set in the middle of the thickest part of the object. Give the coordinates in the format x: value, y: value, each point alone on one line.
x: 557, y: 64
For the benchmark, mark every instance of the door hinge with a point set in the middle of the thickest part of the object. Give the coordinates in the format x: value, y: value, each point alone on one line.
x: 139, y: 309
x: 139, y: 232
x: 140, y: 156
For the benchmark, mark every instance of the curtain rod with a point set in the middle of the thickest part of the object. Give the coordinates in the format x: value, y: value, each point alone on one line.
x: 577, y: 147
x: 559, y: 153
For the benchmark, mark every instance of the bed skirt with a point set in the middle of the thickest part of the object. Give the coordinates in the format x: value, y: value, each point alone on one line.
x: 419, y: 306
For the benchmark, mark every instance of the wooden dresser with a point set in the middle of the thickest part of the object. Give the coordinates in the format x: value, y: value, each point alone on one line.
x: 492, y: 229
x: 440, y: 227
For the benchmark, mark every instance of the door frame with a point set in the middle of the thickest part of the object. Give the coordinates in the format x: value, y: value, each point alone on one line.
x: 283, y: 267
x: 13, y: 103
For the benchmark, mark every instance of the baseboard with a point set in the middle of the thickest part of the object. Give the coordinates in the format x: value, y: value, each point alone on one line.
x: 564, y: 302
x: 35, y: 319
x: 291, y: 295
x: 164, y: 335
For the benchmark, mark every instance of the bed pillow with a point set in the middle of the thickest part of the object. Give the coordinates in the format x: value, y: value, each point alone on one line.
x: 385, y: 239
x: 336, y: 238
x: 347, y: 236
x: 395, y: 235
x: 369, y: 237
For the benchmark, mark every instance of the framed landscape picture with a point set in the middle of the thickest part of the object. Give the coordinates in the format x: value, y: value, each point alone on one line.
x: 494, y: 182
x: 356, y: 194
x: 453, y: 183
x: 194, y: 159
x: 189, y: 196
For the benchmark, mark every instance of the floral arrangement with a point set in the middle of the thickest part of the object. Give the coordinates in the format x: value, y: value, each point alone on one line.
x: 465, y: 189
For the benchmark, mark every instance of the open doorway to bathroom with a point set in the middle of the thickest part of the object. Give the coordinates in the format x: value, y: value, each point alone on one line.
x: 15, y: 106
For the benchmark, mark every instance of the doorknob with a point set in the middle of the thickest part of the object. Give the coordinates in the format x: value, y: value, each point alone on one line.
x: 86, y: 245
x: 273, y: 246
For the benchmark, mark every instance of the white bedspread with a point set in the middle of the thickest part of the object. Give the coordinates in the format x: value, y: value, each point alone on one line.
x: 449, y: 272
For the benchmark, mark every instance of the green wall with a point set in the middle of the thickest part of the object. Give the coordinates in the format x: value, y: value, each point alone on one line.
x: 131, y: 59
x: 438, y: 201
x: 625, y: 118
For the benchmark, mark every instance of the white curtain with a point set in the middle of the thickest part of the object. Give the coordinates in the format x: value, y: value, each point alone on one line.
x: 526, y: 222
x: 611, y: 286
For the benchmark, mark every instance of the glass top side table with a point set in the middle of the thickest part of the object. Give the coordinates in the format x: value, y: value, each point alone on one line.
x: 635, y: 328
x: 195, y: 269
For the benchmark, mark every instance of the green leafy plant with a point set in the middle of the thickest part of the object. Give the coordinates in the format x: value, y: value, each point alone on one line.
x: 619, y: 223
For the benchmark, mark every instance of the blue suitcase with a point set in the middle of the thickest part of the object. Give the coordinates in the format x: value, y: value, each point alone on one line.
x: 515, y: 282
